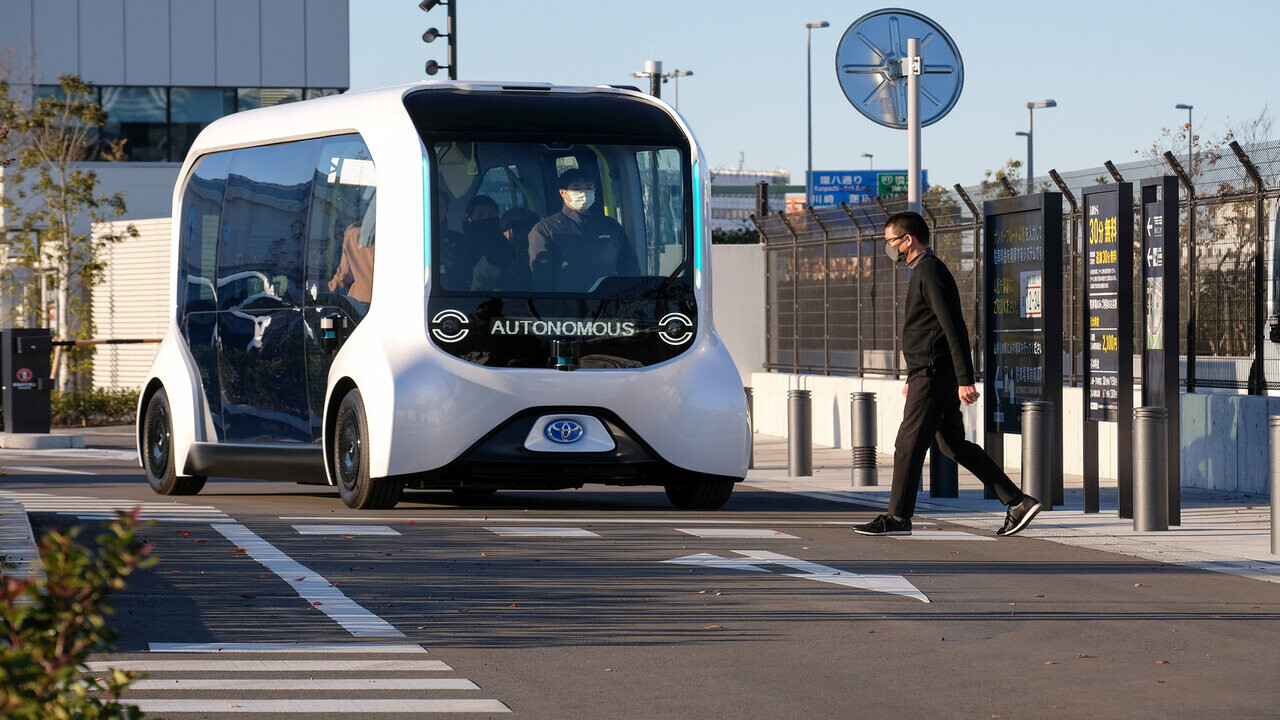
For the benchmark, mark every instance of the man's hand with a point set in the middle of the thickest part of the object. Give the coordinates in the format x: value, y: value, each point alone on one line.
x: 904, y: 389
x: 968, y: 394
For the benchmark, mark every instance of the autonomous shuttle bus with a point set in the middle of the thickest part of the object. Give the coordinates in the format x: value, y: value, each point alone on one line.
x: 461, y: 286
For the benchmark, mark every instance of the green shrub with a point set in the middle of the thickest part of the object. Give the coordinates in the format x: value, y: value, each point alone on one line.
x: 52, y: 624
x: 94, y: 406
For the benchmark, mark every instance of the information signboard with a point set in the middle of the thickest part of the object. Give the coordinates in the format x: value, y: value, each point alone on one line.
x: 1160, y: 293
x: 1023, y: 321
x: 832, y: 187
x: 1108, y: 332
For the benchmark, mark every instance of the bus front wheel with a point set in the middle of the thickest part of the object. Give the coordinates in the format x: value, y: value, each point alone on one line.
x: 700, y: 493
x: 351, y: 459
x: 157, y: 450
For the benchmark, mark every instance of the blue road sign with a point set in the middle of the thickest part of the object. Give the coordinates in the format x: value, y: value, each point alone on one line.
x: 832, y: 187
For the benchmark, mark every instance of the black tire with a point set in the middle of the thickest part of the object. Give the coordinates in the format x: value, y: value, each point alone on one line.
x: 351, y: 459
x: 700, y: 493
x: 157, y: 450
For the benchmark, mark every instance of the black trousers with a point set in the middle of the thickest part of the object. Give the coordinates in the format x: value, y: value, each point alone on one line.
x: 933, y: 409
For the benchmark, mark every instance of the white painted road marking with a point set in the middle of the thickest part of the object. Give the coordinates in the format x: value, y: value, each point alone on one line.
x: 248, y: 665
x: 893, y: 584
x: 345, y: 530
x: 739, y: 533
x: 310, y: 585
x: 50, y: 470
x: 296, y: 707
x: 941, y: 535
x: 347, y: 648
x: 843, y: 521
x: 324, y: 684
x: 548, y: 532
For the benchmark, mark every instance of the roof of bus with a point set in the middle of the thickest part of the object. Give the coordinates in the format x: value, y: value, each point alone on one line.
x: 351, y: 111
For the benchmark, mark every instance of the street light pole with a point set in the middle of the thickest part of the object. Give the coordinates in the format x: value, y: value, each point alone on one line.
x: 1027, y: 135
x: 808, y: 33
x: 1031, y: 106
x: 675, y: 75
x: 871, y: 163
x: 1190, y: 150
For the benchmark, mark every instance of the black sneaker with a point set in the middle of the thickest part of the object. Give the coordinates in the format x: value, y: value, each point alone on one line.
x: 1019, y: 516
x: 884, y: 525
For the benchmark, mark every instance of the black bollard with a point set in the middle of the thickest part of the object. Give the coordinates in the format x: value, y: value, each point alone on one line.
x: 1275, y: 484
x: 944, y: 474
x: 862, y: 438
x: 799, y: 434
x: 1150, y: 469
x: 1037, y: 451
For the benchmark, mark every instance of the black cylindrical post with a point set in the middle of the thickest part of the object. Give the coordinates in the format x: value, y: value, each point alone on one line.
x: 1275, y: 484
x: 799, y: 434
x: 944, y: 474
x: 751, y: 425
x: 453, y: 39
x: 762, y: 198
x: 1037, y: 451
x: 862, y: 438
x: 1150, y: 469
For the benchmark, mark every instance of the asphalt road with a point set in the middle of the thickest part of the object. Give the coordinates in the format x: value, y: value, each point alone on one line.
x: 275, y: 600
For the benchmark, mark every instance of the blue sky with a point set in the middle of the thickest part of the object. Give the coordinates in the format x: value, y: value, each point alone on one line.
x: 1115, y: 68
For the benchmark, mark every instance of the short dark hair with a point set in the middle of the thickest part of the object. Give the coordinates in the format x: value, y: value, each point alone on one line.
x: 909, y: 223
x: 573, y: 175
x: 478, y: 202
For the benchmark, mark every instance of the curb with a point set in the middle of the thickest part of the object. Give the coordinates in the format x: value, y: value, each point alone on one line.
x: 17, y: 542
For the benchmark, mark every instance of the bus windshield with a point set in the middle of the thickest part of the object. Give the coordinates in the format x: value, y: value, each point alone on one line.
x: 560, y: 217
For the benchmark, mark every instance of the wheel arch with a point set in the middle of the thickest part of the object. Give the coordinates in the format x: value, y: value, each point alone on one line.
x: 340, y: 388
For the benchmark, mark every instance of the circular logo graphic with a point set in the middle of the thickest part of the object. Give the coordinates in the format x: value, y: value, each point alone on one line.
x: 564, y: 431
x: 675, y: 329
x: 24, y: 375
x: 450, y: 326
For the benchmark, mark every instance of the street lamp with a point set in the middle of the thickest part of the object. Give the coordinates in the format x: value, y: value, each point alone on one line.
x: 676, y: 75
x: 1027, y: 135
x: 871, y: 163
x: 808, y: 34
x: 653, y: 71
x: 1190, y: 154
x: 1031, y: 106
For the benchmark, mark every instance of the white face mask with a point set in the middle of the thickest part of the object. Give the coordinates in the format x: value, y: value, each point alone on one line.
x: 580, y: 200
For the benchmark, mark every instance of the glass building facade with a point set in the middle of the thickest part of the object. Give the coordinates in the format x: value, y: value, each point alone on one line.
x: 159, y: 124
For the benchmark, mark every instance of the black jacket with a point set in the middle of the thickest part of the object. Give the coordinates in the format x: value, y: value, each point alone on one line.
x: 571, y: 251
x: 933, y: 331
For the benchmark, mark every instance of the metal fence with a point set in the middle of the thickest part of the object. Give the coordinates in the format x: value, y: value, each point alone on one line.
x: 834, y: 298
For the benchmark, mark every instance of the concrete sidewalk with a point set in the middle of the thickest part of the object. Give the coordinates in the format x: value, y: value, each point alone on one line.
x: 1223, y: 532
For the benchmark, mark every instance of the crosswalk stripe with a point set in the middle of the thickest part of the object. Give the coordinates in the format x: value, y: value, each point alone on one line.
x: 156, y: 517
x: 287, y: 647
x: 548, y: 532
x: 40, y: 469
x: 296, y: 707
x: 247, y: 665
x: 736, y: 533
x: 345, y: 530
x: 312, y: 587
x: 304, y: 684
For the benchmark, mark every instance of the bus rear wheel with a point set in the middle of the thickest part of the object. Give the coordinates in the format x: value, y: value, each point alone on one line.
x: 351, y: 459
x: 157, y: 450
x: 700, y: 493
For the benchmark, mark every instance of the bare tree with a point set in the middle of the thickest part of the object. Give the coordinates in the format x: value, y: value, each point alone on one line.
x: 52, y: 196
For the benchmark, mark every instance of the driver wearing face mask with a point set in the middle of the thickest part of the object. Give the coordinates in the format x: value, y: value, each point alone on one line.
x: 576, y: 247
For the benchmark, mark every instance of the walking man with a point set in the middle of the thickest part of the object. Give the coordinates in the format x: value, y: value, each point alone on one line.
x: 940, y: 376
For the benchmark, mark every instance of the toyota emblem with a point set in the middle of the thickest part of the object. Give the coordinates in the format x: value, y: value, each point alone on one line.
x: 564, y: 431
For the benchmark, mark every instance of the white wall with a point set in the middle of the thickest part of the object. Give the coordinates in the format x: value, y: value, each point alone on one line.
x: 737, y: 304
x: 132, y: 303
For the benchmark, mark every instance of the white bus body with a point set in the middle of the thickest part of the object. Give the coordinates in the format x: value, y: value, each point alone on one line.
x: 465, y: 361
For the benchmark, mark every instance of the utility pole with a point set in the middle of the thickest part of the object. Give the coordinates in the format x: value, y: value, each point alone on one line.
x: 451, y: 32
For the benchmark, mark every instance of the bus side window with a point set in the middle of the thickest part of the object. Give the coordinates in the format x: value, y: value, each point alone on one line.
x: 198, y: 248
x: 264, y: 218
x: 342, y: 234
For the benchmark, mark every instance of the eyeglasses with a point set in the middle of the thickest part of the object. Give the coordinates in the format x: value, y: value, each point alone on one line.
x: 896, y: 239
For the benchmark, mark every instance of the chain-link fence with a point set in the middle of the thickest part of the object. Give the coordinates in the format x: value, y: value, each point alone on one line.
x: 834, y: 298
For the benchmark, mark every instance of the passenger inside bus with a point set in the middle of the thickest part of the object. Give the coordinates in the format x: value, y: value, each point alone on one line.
x: 354, y: 276
x: 504, y: 261
x: 578, y: 246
